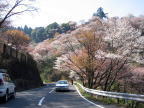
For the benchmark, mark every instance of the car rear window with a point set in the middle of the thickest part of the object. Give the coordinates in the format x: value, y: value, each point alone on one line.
x: 62, y: 82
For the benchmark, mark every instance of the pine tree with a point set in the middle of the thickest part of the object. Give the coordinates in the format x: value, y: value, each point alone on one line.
x: 100, y: 13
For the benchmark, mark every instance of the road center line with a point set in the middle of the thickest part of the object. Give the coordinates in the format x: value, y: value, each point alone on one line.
x: 40, y: 102
x: 51, y: 91
x: 87, y: 99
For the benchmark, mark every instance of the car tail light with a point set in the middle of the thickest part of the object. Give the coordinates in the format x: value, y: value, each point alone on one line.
x: 1, y: 82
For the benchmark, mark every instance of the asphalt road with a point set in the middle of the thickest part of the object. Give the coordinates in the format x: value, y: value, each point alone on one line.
x: 46, y: 97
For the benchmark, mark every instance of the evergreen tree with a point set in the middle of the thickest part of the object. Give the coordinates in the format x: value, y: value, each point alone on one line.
x: 39, y: 34
x: 65, y: 27
x: 100, y: 13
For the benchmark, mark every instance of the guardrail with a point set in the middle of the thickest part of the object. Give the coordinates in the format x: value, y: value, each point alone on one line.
x: 135, y: 97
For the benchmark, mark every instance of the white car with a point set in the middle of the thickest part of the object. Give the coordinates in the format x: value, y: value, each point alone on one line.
x: 7, y: 88
x: 62, y: 85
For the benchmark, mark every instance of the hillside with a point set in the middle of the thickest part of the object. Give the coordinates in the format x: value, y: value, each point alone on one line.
x: 56, y: 45
x: 49, y: 47
x: 38, y: 34
x: 114, y: 47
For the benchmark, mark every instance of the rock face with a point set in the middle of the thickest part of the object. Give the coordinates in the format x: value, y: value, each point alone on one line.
x: 24, y: 75
x: 21, y: 68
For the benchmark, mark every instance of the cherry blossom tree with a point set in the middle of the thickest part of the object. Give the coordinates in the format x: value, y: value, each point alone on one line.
x: 91, y: 61
x: 98, y: 53
x: 125, y: 37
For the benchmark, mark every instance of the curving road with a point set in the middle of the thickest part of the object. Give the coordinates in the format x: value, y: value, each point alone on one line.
x: 46, y: 97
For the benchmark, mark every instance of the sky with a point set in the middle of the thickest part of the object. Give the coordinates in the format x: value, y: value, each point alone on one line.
x: 62, y: 11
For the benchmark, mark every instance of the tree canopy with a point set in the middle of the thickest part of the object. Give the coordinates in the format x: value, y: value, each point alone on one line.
x: 100, y: 13
x: 16, y: 38
x: 39, y: 34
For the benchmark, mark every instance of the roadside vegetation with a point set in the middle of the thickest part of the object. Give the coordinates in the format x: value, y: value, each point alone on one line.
x: 103, y: 53
x: 48, y: 73
x: 120, y: 102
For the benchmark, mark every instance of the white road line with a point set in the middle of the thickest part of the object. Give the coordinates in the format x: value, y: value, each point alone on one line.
x: 51, y: 91
x: 40, y: 102
x: 87, y: 99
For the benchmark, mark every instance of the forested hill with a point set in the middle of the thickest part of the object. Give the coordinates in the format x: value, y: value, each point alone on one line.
x: 39, y: 34
x: 133, y: 27
x: 101, y: 53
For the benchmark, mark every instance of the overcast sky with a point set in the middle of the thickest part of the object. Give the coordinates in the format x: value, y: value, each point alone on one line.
x: 75, y: 10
